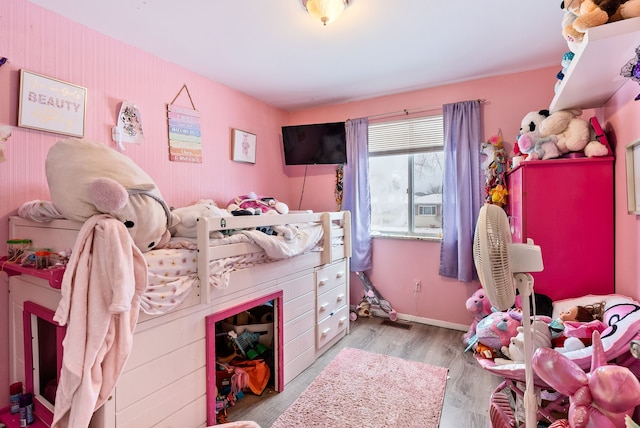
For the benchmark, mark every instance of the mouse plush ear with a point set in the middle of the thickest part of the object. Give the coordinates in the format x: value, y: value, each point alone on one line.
x: 108, y: 195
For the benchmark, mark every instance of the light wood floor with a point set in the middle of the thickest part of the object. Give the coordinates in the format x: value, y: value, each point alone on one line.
x: 468, y: 390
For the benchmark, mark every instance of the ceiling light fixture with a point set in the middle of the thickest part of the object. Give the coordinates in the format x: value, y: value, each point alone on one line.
x: 326, y: 11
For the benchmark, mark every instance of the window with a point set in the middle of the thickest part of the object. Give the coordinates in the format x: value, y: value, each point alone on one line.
x: 406, y: 161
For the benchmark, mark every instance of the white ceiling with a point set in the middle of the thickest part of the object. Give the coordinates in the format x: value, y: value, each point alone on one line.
x: 274, y: 51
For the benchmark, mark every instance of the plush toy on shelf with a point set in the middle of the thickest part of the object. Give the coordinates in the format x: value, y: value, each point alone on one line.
x: 586, y: 14
x: 570, y: 34
x: 536, y: 147
x: 567, y: 57
x: 593, y: 13
x: 530, y: 141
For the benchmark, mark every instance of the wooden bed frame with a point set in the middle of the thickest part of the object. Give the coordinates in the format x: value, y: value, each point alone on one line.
x: 168, y: 379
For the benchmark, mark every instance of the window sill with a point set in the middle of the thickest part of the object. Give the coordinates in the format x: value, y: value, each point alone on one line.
x: 406, y: 237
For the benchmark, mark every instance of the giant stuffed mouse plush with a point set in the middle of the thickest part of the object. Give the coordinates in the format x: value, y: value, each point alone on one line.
x: 88, y: 178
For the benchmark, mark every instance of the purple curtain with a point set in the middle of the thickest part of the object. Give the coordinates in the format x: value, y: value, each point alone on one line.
x: 356, y: 197
x: 462, y: 188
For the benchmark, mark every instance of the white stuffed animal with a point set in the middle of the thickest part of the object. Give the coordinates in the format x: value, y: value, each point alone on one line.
x: 87, y: 178
x: 541, y: 339
x: 187, y: 218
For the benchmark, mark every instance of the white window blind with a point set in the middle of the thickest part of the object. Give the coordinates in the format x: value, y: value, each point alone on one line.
x: 406, y: 136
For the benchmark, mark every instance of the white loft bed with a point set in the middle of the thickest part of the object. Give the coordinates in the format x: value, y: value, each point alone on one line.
x: 164, y: 382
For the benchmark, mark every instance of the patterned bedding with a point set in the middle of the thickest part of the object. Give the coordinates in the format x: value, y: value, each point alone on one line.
x: 173, y: 269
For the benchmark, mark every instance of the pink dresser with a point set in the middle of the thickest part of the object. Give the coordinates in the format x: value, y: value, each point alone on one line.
x: 566, y: 206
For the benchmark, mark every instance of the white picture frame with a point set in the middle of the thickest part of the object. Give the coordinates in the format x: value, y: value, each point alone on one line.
x: 633, y: 177
x: 243, y: 146
x: 52, y: 105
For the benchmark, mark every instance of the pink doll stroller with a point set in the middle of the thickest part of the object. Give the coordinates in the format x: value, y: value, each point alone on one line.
x: 373, y: 297
x: 621, y: 320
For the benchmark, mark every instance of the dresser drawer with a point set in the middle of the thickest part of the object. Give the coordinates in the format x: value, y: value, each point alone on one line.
x: 298, y: 326
x: 329, y: 276
x: 329, y: 302
x: 328, y: 328
x: 295, y: 307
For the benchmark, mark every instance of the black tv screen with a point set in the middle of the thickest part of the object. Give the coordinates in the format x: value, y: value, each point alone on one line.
x: 323, y: 143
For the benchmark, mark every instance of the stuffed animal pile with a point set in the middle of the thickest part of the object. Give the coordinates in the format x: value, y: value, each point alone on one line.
x: 495, y: 171
x: 251, y: 204
x: 545, y: 135
x: 580, y: 15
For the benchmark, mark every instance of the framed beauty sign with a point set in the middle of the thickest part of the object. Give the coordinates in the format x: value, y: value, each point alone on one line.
x: 52, y: 105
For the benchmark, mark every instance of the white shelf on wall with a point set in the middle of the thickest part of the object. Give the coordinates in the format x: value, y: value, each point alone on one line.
x: 594, y: 74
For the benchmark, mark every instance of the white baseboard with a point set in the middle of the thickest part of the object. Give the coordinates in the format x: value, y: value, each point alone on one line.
x: 421, y: 320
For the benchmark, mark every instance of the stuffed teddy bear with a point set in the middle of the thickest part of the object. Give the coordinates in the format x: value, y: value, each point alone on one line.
x: 251, y: 204
x: 186, y: 218
x: 596, y: 12
x: 629, y: 9
x: 87, y: 178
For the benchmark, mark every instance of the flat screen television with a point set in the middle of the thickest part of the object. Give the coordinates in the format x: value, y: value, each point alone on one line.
x: 322, y: 143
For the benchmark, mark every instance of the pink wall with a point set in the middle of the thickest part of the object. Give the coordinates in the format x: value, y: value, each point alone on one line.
x: 398, y: 263
x: 40, y: 41
x: 37, y: 40
x: 623, y: 127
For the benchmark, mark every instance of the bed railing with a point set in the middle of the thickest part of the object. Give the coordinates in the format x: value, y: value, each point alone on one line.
x: 328, y: 220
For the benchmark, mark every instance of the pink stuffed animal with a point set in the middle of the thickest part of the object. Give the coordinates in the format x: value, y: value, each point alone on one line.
x: 599, y: 399
x: 479, y: 306
x: 496, y: 329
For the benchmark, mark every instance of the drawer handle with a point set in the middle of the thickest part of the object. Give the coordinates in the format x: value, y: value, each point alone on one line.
x: 340, y: 274
x: 342, y: 320
x: 323, y: 307
x: 325, y: 332
x: 323, y: 281
x: 340, y: 297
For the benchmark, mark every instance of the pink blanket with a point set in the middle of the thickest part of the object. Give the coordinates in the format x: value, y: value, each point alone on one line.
x: 101, y: 291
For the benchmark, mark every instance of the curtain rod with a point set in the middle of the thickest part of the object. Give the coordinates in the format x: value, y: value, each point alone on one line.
x: 407, y: 112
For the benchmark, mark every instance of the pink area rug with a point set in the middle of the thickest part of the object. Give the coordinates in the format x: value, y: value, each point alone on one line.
x: 363, y: 389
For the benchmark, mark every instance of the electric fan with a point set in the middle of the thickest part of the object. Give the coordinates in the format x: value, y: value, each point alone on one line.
x: 502, y: 266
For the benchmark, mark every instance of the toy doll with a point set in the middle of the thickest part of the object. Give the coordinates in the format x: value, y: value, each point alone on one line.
x: 584, y: 313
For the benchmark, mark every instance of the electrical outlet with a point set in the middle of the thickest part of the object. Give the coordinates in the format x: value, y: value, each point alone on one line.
x: 417, y: 286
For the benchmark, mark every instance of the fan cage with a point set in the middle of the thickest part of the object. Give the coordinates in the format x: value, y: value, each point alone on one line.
x: 491, y: 254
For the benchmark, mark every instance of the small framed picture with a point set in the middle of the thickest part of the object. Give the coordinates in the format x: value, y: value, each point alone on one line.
x: 52, y: 105
x: 633, y: 177
x: 243, y: 146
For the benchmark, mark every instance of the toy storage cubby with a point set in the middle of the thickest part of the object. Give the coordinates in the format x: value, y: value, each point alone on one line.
x: 566, y: 207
